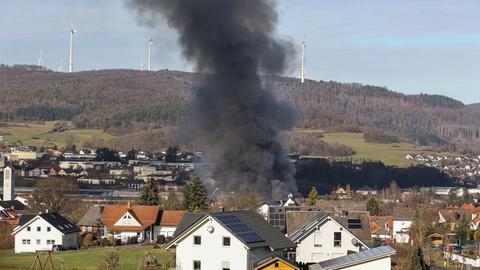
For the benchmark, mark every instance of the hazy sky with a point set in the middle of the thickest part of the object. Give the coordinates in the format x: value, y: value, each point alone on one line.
x: 410, y: 46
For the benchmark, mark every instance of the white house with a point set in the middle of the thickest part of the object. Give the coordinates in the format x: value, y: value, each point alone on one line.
x: 402, y: 222
x: 143, y: 222
x: 373, y: 259
x: 322, y: 239
x: 43, y: 231
x: 230, y: 240
x: 265, y: 205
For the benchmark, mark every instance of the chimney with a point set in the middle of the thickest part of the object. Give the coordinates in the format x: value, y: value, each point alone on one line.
x: 129, y: 205
x: 221, y: 209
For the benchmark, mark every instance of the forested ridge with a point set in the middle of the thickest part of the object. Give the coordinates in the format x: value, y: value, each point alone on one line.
x: 115, y: 99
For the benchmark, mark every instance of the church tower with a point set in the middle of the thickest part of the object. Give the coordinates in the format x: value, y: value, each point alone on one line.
x: 8, y: 184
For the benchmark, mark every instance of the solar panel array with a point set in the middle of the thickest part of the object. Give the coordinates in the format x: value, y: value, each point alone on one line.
x: 240, y: 229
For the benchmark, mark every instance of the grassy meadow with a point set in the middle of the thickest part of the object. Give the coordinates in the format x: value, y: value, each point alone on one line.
x: 40, y: 133
x: 130, y: 258
x: 388, y: 153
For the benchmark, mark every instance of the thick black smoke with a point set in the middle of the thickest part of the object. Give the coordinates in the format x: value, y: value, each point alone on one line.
x: 233, y: 112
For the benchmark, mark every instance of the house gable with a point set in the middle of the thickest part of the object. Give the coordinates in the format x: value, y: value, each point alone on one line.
x: 308, y: 229
x: 127, y: 219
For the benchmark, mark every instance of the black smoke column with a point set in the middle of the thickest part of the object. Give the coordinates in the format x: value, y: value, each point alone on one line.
x: 238, y: 117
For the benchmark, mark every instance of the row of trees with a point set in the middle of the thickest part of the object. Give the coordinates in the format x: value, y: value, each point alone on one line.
x: 194, y: 196
x: 326, y: 175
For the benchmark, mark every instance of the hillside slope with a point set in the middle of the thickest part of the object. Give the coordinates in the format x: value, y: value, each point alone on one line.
x: 119, y: 100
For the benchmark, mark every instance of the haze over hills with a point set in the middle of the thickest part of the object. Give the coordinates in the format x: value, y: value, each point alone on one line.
x: 120, y: 100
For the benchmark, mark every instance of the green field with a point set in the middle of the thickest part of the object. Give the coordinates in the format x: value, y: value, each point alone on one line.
x: 130, y: 258
x: 388, y: 153
x: 39, y: 134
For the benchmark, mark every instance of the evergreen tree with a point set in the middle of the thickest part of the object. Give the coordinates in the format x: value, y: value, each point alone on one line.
x: 312, y: 196
x: 462, y: 229
x: 417, y: 262
x: 149, y: 194
x: 172, y: 202
x: 194, y: 196
x: 372, y: 207
x: 171, y: 155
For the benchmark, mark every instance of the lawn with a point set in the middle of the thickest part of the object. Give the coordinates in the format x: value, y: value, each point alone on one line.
x: 33, y: 133
x: 388, y: 153
x: 130, y: 258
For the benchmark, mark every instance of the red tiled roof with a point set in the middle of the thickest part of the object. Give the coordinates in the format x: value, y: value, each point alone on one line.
x: 468, y: 206
x: 171, y: 218
x: 146, y: 215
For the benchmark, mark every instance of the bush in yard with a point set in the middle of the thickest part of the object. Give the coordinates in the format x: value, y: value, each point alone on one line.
x: 117, y: 242
x: 106, y: 242
x: 110, y: 262
x: 161, y: 239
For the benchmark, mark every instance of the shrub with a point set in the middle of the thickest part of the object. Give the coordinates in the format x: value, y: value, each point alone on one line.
x: 161, y: 239
x: 110, y: 262
x: 106, y: 242
x: 117, y: 242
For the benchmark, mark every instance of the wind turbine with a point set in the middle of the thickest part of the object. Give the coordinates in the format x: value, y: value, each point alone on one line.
x: 303, y: 71
x: 40, y: 60
x: 60, y: 66
x: 150, y: 45
x: 72, y: 31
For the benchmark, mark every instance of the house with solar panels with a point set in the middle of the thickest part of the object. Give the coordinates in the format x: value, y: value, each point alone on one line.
x: 372, y: 259
x: 323, y: 238
x: 43, y: 232
x: 226, y: 240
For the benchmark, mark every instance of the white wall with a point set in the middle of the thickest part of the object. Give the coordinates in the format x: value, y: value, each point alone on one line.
x: 211, y: 252
x: 381, y: 264
x: 164, y: 230
x: 307, y: 252
x: 401, y: 225
x: 43, y: 236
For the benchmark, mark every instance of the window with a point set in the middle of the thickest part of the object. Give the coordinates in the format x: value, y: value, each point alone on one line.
x: 49, y: 229
x: 276, y: 264
x: 317, y: 241
x: 337, y: 239
x: 29, y: 229
x: 226, y: 241
x: 197, y: 240
x: 38, y: 241
x: 354, y: 223
x: 197, y: 265
x: 39, y: 229
x: 26, y: 241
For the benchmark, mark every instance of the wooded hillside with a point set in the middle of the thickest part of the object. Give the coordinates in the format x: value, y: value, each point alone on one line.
x: 115, y: 99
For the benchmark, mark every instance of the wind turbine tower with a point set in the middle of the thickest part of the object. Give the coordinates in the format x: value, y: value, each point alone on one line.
x: 150, y: 45
x: 40, y: 60
x: 72, y: 31
x: 303, y: 72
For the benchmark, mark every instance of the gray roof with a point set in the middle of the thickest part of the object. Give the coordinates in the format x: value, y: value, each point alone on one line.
x: 354, y: 259
x: 271, y: 236
x: 12, y: 204
x: 92, y: 217
x: 300, y: 233
x: 55, y: 219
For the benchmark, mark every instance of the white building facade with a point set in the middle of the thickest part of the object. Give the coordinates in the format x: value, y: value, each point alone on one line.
x: 324, y: 239
x: 42, y: 232
x: 209, y: 244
